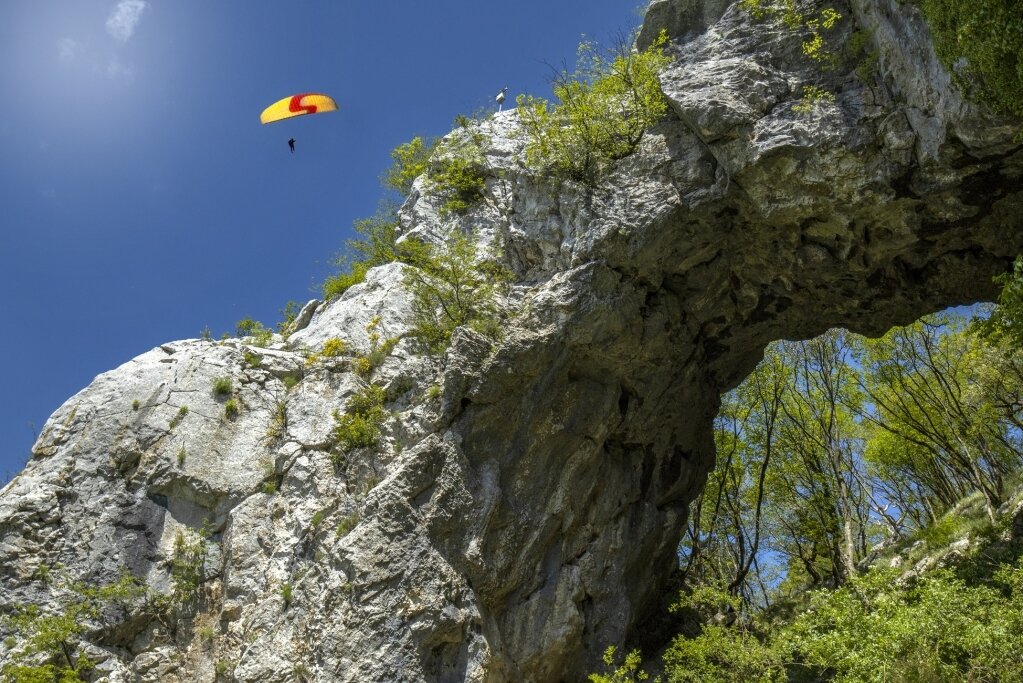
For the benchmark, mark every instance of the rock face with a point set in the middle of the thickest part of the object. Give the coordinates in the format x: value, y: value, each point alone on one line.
x: 523, y: 508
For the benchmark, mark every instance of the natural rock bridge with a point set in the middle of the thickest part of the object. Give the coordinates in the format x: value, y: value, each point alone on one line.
x: 529, y: 516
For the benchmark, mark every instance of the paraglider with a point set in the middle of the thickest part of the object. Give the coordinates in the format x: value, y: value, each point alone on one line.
x: 298, y: 105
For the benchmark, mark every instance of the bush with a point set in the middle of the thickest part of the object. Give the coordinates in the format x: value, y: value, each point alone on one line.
x: 222, y: 386
x: 179, y: 416
x: 628, y: 672
x: 347, y: 523
x: 410, y: 161
x: 359, y: 425
x: 45, y: 647
x: 451, y: 286
x: 601, y: 112
x: 458, y: 170
x: 989, y: 35
x: 374, y: 247
x: 231, y: 409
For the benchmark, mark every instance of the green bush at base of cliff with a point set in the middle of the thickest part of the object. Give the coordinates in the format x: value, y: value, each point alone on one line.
x: 989, y: 35
x: 878, y: 628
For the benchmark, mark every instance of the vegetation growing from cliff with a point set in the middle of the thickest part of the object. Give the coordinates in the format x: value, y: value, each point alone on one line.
x: 46, y: 647
x: 981, y: 44
x: 601, y: 110
x: 841, y: 453
x: 359, y: 425
x: 456, y: 170
x: 455, y: 285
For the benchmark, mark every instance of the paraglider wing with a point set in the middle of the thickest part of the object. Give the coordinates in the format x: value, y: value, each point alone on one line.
x: 298, y: 105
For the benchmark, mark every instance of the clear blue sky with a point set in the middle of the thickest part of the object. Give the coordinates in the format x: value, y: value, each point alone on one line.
x: 140, y: 199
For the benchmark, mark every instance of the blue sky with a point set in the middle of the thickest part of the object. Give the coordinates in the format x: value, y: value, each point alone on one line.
x: 140, y: 199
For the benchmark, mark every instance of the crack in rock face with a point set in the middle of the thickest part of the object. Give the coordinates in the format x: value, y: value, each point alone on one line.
x: 523, y: 506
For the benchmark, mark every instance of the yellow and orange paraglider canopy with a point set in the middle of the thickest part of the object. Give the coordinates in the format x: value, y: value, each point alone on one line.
x: 298, y: 105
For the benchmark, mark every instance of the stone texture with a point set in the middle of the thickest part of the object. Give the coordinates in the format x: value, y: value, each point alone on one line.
x: 512, y: 527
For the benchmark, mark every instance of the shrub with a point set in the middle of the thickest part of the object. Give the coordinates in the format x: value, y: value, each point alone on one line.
x: 247, y: 327
x: 287, y: 594
x: 459, y: 171
x: 989, y: 35
x: 628, y: 672
x: 278, y: 420
x: 253, y: 360
x: 288, y: 315
x: 601, y: 110
x: 359, y: 425
x: 410, y: 161
x: 334, y: 347
x: 179, y: 416
x: 181, y: 457
x: 188, y: 566
x: 347, y: 523
x: 451, y: 286
x: 222, y: 386
x: 375, y: 246
x: 812, y: 96
x: 135, y: 405
x: 231, y: 409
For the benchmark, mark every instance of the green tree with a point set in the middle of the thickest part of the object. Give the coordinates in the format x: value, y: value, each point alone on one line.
x: 981, y: 44
x: 601, y: 110
x: 47, y: 646
x: 451, y: 286
x: 947, y: 431
x: 410, y: 160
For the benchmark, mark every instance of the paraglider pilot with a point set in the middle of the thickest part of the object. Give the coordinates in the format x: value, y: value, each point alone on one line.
x: 291, y: 144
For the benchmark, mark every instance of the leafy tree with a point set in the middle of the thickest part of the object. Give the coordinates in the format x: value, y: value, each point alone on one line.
x: 1006, y: 321
x: 989, y: 35
x: 725, y: 527
x: 459, y: 170
x: 601, y: 110
x: 410, y: 160
x: 46, y: 647
x: 451, y: 286
x: 947, y: 433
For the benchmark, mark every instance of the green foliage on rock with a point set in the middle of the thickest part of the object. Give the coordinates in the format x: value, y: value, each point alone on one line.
x: 359, y: 425
x: 627, y: 671
x: 1005, y: 324
x: 374, y: 246
x: 47, y: 647
x: 452, y: 286
x: 188, y: 567
x: 222, y: 386
x: 410, y: 160
x: 600, y: 113
x: 988, y: 35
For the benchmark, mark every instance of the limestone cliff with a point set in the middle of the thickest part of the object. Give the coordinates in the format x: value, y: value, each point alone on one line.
x: 524, y: 514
